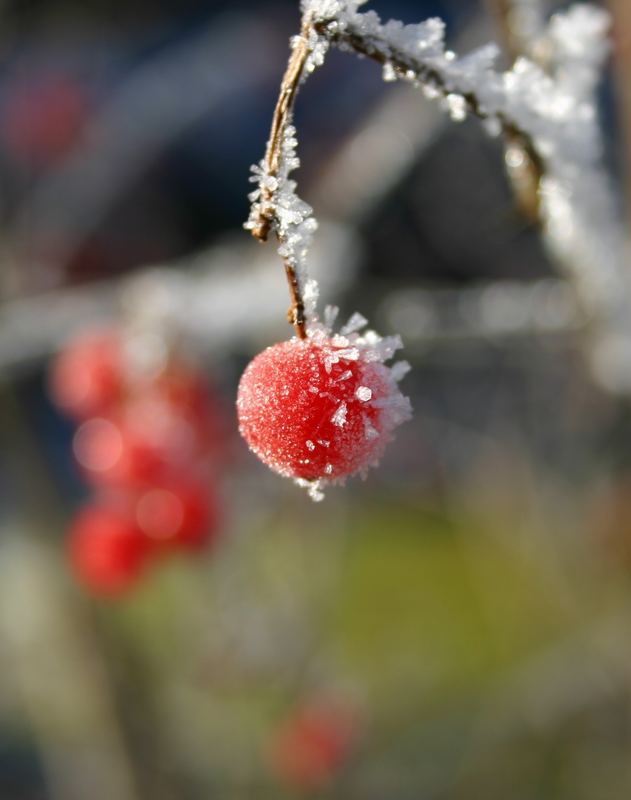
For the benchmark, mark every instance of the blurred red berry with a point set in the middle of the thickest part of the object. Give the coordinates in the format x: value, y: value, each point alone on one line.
x: 107, y: 550
x: 317, y: 410
x: 180, y: 513
x: 43, y: 119
x: 112, y: 453
x: 87, y: 376
x: 312, y: 745
x: 190, y: 395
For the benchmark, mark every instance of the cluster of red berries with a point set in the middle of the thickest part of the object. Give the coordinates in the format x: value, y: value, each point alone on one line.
x: 145, y: 442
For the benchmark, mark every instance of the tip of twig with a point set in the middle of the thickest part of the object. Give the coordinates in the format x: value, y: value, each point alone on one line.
x: 261, y: 230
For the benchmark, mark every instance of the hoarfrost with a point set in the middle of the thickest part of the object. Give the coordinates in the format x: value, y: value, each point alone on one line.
x: 456, y: 106
x: 345, y: 375
x: 339, y: 418
x: 355, y: 323
x: 399, y: 370
x: 314, y: 489
x: 389, y: 73
x: 370, y: 432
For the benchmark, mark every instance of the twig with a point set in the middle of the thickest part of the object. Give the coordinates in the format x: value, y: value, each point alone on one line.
x: 272, y: 165
x: 407, y: 68
x: 621, y: 13
x: 524, y: 173
x: 282, y: 117
x: 548, y: 118
x: 296, y: 311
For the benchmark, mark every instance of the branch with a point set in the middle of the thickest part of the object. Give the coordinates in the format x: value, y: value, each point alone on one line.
x: 621, y: 13
x: 550, y: 119
x: 293, y: 231
x: 521, y: 24
x: 281, y: 119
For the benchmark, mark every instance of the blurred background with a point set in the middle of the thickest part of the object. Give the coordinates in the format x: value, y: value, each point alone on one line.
x: 456, y: 626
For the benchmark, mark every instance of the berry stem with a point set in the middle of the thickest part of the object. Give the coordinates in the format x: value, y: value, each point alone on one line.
x: 296, y: 311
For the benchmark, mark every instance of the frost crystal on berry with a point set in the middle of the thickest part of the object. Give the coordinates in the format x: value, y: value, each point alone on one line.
x: 322, y: 409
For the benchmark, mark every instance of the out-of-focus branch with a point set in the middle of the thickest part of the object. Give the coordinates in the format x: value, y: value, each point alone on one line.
x: 621, y: 12
x: 520, y: 25
x: 208, y: 298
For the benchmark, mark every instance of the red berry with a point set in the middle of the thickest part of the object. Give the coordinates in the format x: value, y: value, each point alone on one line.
x: 112, y: 453
x: 86, y: 378
x: 312, y: 745
x: 181, y: 398
x: 43, y: 119
x: 319, y: 409
x: 180, y: 513
x: 189, y: 396
x: 107, y: 550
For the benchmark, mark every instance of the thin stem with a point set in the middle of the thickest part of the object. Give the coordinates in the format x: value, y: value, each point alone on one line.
x: 296, y: 311
x: 272, y: 164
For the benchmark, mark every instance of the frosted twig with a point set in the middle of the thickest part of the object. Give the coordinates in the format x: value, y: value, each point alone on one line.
x: 416, y: 54
x: 521, y: 26
x: 281, y: 119
x: 294, y: 226
x: 549, y: 117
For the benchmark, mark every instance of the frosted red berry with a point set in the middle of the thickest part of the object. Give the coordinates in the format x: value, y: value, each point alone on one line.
x: 319, y: 409
x: 107, y: 549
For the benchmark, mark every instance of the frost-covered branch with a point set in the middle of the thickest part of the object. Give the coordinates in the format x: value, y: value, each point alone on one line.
x: 275, y: 204
x: 549, y: 115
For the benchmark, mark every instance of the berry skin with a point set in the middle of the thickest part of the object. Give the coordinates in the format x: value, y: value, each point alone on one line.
x: 316, y: 410
x: 107, y: 550
x: 86, y: 378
